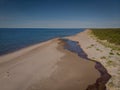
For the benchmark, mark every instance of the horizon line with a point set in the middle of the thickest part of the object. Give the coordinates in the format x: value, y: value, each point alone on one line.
x: 58, y: 28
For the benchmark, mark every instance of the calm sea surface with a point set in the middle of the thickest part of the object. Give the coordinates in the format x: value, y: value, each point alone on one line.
x: 15, y: 39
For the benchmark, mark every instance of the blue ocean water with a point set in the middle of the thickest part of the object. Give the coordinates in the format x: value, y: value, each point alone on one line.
x: 12, y: 39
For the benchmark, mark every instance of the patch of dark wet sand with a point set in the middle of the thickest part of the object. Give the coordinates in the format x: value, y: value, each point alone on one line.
x: 105, y: 76
x: 72, y: 73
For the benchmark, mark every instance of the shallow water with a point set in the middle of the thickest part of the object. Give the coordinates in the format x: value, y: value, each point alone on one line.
x: 12, y: 39
x: 105, y: 76
x: 74, y: 47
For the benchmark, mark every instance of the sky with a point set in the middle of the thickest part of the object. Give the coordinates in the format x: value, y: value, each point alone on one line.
x: 59, y: 13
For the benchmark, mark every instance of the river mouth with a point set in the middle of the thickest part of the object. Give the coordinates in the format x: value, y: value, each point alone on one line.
x: 100, y: 83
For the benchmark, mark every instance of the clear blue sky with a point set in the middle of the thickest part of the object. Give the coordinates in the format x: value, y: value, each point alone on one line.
x: 59, y: 13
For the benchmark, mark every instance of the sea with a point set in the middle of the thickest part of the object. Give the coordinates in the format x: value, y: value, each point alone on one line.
x: 12, y: 39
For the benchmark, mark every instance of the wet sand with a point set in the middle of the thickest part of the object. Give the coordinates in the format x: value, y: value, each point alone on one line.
x: 46, y: 66
x: 100, y: 83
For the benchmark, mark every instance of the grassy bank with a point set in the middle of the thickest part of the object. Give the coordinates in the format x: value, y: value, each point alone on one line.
x: 111, y: 36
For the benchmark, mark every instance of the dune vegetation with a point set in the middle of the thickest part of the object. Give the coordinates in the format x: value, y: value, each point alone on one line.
x: 111, y: 37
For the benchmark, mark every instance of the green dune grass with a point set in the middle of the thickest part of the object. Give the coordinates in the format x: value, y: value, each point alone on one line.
x: 111, y: 35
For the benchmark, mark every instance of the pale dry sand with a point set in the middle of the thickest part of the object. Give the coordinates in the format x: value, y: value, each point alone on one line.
x: 28, y: 67
x: 46, y: 66
x: 96, y: 51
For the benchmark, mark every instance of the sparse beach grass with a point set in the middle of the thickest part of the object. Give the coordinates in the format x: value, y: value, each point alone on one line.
x: 110, y: 38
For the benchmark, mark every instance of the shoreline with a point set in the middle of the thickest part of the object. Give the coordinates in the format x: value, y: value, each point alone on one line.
x: 47, y: 64
x: 35, y: 36
x: 27, y: 47
x: 87, y: 43
x: 23, y: 51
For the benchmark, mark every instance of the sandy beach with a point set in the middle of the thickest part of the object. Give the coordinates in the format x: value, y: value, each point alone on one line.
x: 59, y: 44
x: 46, y: 66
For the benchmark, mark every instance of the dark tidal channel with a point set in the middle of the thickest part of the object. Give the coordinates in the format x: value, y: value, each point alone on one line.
x: 100, y: 83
